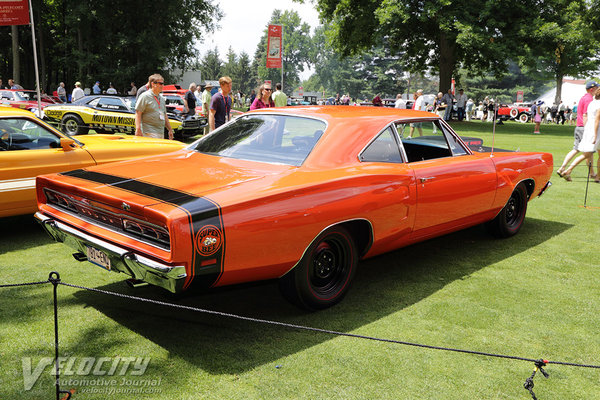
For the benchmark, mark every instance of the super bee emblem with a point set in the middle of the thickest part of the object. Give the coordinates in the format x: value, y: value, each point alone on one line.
x: 209, y: 240
x: 126, y: 206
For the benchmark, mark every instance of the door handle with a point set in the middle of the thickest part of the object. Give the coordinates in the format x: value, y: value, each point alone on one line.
x: 423, y: 180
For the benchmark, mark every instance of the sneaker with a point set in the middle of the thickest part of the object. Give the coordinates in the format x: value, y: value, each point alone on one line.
x: 536, y: 133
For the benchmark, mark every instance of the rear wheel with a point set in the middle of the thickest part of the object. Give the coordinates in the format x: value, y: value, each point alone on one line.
x: 323, y: 275
x: 73, y: 125
x: 509, y: 221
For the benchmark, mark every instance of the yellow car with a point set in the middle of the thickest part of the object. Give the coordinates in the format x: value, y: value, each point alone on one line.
x: 113, y: 114
x: 30, y: 147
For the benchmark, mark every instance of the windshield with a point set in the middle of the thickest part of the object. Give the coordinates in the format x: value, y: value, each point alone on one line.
x: 278, y: 139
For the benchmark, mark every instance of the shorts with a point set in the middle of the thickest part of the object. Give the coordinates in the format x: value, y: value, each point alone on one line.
x: 420, y: 124
x: 578, y: 133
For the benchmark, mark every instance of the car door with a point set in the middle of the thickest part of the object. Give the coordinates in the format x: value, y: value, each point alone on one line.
x: 28, y: 149
x: 392, y: 200
x: 454, y: 187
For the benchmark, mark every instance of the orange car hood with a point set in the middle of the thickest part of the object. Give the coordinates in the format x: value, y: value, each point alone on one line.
x: 174, y: 170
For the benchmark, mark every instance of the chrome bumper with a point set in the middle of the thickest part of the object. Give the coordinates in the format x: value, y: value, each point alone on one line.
x: 546, y: 187
x: 121, y: 260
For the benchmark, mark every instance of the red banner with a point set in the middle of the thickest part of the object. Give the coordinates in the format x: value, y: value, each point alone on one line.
x: 274, y: 46
x: 519, y: 96
x: 14, y: 12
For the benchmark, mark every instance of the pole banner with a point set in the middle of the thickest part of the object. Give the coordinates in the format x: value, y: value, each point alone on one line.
x: 14, y: 12
x: 274, y: 46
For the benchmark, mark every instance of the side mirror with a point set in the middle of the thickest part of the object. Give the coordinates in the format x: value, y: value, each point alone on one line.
x: 67, y: 144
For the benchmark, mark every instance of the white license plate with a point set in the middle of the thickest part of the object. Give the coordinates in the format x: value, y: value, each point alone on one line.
x: 98, y: 257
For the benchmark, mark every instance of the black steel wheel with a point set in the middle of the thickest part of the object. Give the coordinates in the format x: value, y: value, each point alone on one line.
x: 323, y: 275
x: 510, y: 219
x: 73, y: 125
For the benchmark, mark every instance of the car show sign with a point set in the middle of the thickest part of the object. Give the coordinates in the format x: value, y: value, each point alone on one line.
x: 519, y: 96
x: 274, y: 46
x: 14, y: 12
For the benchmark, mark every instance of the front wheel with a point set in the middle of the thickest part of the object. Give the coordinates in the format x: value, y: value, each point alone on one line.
x: 510, y: 219
x: 323, y: 275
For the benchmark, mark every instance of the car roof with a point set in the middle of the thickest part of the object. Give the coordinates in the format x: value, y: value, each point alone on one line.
x: 15, y: 112
x: 331, y: 113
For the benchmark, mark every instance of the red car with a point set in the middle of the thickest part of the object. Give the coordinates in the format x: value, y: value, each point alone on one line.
x: 299, y: 194
x: 519, y: 111
x: 25, y: 99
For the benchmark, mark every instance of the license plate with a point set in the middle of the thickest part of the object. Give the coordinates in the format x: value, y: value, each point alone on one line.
x: 98, y: 257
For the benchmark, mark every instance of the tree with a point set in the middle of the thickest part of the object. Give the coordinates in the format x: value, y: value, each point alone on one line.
x: 561, y: 43
x: 296, y: 49
x: 431, y: 35
x: 111, y: 40
x: 211, y: 65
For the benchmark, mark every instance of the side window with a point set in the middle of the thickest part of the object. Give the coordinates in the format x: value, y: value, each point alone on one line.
x: 111, y: 104
x: 456, y: 147
x: 383, y: 149
x: 424, y: 140
x: 23, y: 134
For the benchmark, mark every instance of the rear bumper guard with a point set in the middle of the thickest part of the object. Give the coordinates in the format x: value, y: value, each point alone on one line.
x: 121, y: 260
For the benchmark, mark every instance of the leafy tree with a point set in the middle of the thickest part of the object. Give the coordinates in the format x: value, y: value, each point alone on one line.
x: 432, y: 35
x: 562, y: 42
x: 111, y: 40
x: 211, y: 65
x: 296, y: 49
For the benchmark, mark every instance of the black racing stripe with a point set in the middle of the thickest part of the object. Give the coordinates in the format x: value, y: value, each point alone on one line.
x: 201, y: 212
x: 143, y: 188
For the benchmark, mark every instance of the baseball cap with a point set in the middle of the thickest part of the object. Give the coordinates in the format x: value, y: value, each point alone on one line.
x: 591, y: 84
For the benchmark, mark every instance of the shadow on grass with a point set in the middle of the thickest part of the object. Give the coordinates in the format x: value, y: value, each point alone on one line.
x: 20, y: 233
x: 382, y: 286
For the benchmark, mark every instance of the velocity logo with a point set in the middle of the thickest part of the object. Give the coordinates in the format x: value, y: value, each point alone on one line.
x: 82, y: 366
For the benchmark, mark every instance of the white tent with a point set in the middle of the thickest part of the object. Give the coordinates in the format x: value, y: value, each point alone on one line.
x: 572, y: 91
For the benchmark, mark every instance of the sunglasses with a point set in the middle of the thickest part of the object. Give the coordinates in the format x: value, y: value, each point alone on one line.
x: 159, y: 83
x: 270, y: 90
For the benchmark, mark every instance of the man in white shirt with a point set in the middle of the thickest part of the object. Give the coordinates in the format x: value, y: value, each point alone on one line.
x: 419, y: 106
x: 461, y: 101
x: 77, y: 92
x: 400, y: 103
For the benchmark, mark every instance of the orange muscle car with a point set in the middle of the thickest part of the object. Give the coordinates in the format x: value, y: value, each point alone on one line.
x: 30, y: 147
x: 299, y: 193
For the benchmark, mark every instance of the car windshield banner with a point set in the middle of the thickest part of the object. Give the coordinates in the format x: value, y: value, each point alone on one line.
x: 274, y: 46
x: 14, y: 12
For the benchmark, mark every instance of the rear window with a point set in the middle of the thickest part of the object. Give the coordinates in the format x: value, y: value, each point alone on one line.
x: 268, y: 138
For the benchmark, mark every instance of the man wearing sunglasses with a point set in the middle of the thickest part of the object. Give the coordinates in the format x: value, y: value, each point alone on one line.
x: 151, y: 112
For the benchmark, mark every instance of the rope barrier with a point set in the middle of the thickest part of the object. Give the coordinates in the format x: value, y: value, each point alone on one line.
x: 54, y: 278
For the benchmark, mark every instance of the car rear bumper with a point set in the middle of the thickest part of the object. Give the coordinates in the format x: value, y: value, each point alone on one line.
x: 121, y: 259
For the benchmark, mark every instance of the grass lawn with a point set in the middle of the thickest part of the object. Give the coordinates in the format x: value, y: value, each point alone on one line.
x: 534, y: 295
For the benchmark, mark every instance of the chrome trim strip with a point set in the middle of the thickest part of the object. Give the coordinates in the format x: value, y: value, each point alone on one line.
x: 108, y: 227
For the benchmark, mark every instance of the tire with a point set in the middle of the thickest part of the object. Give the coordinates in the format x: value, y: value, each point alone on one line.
x: 510, y: 219
x: 323, y: 275
x: 514, y: 113
x: 523, y: 118
x: 73, y: 125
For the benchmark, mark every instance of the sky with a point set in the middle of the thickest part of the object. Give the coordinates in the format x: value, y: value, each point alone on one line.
x: 244, y: 21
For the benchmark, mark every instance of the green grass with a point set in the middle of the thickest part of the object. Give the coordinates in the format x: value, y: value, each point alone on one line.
x: 534, y: 295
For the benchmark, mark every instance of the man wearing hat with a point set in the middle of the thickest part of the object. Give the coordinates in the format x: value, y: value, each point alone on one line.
x: 582, y: 107
x: 96, y: 88
x: 77, y: 92
x: 206, y: 97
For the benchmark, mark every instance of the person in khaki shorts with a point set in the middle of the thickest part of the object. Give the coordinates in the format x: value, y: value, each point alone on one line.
x: 206, y: 97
